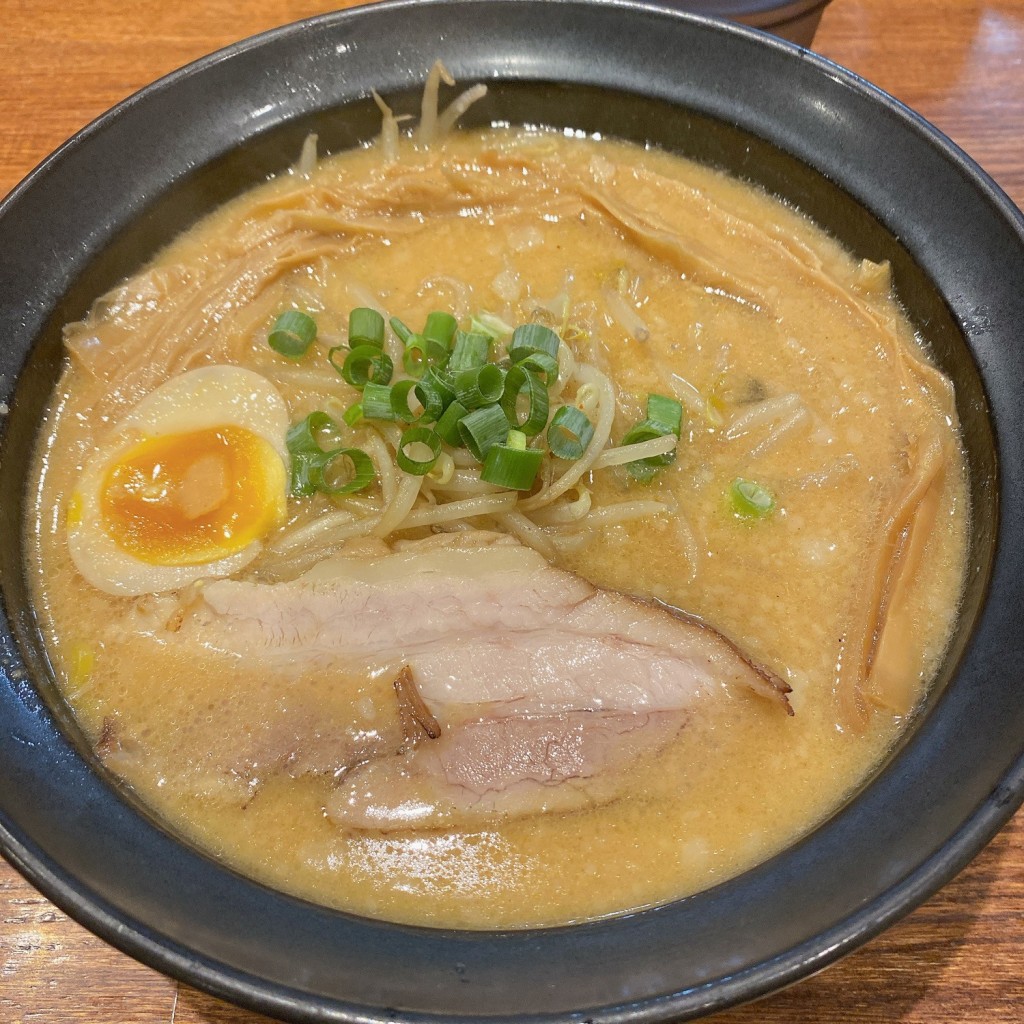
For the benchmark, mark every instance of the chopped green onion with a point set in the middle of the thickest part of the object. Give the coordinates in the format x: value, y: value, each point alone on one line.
x: 418, y: 436
x: 292, y: 334
x: 301, y: 438
x: 414, y: 358
x: 666, y: 411
x: 301, y: 484
x: 424, y: 393
x: 439, y: 381
x: 333, y: 358
x: 440, y: 328
x: 431, y: 398
x: 664, y: 416
x: 361, y: 473
x: 403, y: 332
x: 437, y: 354
x: 480, y: 386
x: 470, y: 350
x: 512, y: 465
x: 530, y: 338
x: 490, y: 408
x: 448, y: 424
x: 437, y: 333
x: 543, y: 364
x: 493, y: 326
x: 365, y: 327
x: 750, y: 500
x: 400, y: 401
x: 519, y: 381
x: 569, y: 433
x: 644, y: 469
x: 645, y: 430
x: 377, y: 402
x: 482, y: 429
x: 310, y: 461
x: 363, y: 365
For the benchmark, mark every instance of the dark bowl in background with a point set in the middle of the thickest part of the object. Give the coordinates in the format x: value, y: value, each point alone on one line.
x: 871, y: 172
x: 795, y: 20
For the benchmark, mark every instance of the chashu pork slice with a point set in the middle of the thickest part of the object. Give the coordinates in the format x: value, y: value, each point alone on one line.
x: 479, y: 618
x: 523, y: 688
x: 503, y: 763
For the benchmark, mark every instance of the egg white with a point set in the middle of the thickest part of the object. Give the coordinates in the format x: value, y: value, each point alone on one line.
x: 210, y: 397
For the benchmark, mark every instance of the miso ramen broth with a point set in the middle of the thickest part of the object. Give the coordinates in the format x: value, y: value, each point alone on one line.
x: 392, y: 703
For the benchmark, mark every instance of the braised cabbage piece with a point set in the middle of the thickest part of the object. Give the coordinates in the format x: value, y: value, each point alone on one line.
x: 497, y: 528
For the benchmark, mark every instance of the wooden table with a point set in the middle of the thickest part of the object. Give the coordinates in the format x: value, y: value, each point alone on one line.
x: 960, y: 63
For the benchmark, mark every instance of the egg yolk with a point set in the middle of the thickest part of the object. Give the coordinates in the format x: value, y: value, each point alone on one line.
x: 187, y: 499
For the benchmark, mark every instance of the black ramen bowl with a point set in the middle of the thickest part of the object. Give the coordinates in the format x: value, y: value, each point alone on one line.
x: 871, y: 172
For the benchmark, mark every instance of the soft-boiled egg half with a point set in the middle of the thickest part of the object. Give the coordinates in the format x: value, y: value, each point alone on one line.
x: 185, y: 489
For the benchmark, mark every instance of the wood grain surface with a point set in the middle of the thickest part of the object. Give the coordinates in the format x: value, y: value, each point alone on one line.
x: 960, y: 957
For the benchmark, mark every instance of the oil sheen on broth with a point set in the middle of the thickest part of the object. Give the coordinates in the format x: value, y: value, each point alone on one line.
x: 797, y: 371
